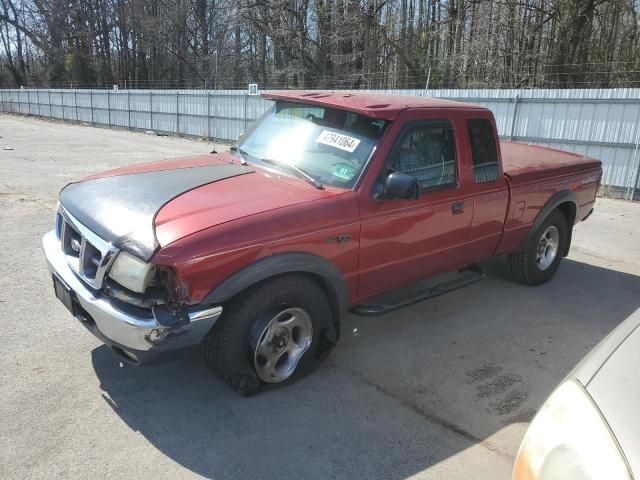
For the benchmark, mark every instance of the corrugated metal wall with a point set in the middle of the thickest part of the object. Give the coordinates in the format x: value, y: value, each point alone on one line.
x: 601, y: 123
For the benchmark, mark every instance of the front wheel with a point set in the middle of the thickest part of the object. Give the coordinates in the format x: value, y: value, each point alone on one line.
x: 273, y: 333
x: 538, y: 260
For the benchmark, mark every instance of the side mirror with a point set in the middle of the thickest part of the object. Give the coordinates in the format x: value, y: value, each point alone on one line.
x: 401, y: 185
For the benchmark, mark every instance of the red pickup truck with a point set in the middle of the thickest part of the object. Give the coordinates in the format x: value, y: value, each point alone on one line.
x: 329, y: 203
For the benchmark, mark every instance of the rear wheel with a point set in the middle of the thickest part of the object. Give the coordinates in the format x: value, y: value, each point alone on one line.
x: 271, y: 334
x: 538, y: 260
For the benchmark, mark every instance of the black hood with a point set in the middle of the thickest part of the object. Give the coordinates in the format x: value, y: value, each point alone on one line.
x: 121, y: 209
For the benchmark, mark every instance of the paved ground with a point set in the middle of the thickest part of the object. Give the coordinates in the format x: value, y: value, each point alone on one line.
x: 439, y: 390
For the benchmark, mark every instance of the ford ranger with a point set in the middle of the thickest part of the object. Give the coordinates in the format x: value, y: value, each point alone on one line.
x: 329, y: 203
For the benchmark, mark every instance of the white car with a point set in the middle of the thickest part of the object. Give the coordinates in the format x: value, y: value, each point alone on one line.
x: 589, y: 428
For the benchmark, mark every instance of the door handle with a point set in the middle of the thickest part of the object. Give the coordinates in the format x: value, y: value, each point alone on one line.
x: 457, y: 207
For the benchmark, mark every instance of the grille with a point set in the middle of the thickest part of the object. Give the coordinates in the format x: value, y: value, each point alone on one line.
x: 88, y: 255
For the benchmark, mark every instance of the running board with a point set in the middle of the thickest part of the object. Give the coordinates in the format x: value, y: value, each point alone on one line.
x: 418, y: 292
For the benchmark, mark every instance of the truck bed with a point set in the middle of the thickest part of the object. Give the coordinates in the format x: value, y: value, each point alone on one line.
x: 526, y: 163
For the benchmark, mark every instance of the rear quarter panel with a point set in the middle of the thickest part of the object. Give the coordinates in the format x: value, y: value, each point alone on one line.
x: 528, y: 197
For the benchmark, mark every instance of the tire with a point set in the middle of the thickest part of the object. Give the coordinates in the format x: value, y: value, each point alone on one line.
x: 538, y: 260
x: 289, y: 319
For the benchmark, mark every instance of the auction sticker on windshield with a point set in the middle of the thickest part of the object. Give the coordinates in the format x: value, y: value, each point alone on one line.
x: 337, y: 140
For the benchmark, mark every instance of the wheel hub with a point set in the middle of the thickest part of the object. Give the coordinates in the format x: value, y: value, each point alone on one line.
x: 547, y: 250
x: 279, y: 341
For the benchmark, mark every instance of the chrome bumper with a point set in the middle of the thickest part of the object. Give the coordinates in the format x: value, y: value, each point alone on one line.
x: 132, y: 336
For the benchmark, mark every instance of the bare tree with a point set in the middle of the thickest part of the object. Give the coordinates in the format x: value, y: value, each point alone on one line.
x: 320, y: 43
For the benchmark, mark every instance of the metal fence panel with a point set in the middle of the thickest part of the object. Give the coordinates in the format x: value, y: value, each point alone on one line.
x: 56, y: 105
x: 600, y: 123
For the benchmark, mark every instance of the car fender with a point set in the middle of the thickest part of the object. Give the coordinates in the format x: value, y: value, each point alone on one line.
x: 283, y: 263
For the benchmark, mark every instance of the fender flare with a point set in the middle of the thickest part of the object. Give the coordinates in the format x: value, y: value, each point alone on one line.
x: 563, y: 196
x: 281, y: 263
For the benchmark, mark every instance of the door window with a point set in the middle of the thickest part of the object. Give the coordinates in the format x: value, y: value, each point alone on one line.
x: 427, y: 152
x: 483, y: 150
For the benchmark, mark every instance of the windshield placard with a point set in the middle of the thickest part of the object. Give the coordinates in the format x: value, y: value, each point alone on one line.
x: 337, y: 140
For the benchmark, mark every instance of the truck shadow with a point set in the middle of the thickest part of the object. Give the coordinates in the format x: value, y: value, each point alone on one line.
x: 401, y: 393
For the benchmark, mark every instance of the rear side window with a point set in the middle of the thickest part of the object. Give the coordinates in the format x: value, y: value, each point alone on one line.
x: 427, y: 152
x: 483, y: 150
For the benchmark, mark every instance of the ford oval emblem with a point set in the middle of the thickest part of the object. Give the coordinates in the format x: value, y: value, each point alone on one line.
x: 75, y: 245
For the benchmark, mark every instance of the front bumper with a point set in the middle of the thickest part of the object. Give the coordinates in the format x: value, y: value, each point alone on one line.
x: 135, y: 335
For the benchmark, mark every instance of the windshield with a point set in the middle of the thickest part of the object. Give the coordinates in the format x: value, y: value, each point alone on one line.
x: 332, y: 146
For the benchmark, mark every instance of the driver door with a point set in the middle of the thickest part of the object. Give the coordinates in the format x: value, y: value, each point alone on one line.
x: 403, y: 241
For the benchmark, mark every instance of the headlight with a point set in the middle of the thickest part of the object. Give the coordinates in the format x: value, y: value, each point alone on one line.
x: 569, y: 440
x: 131, y: 272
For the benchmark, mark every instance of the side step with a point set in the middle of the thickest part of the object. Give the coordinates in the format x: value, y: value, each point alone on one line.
x: 418, y: 292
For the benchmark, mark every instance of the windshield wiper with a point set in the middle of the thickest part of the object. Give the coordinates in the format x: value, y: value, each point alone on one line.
x: 296, y: 169
x: 241, y: 154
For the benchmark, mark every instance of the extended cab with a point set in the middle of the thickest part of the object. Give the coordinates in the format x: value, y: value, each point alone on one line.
x: 329, y: 203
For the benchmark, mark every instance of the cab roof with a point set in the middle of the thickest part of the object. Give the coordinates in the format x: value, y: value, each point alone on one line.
x: 382, y: 106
